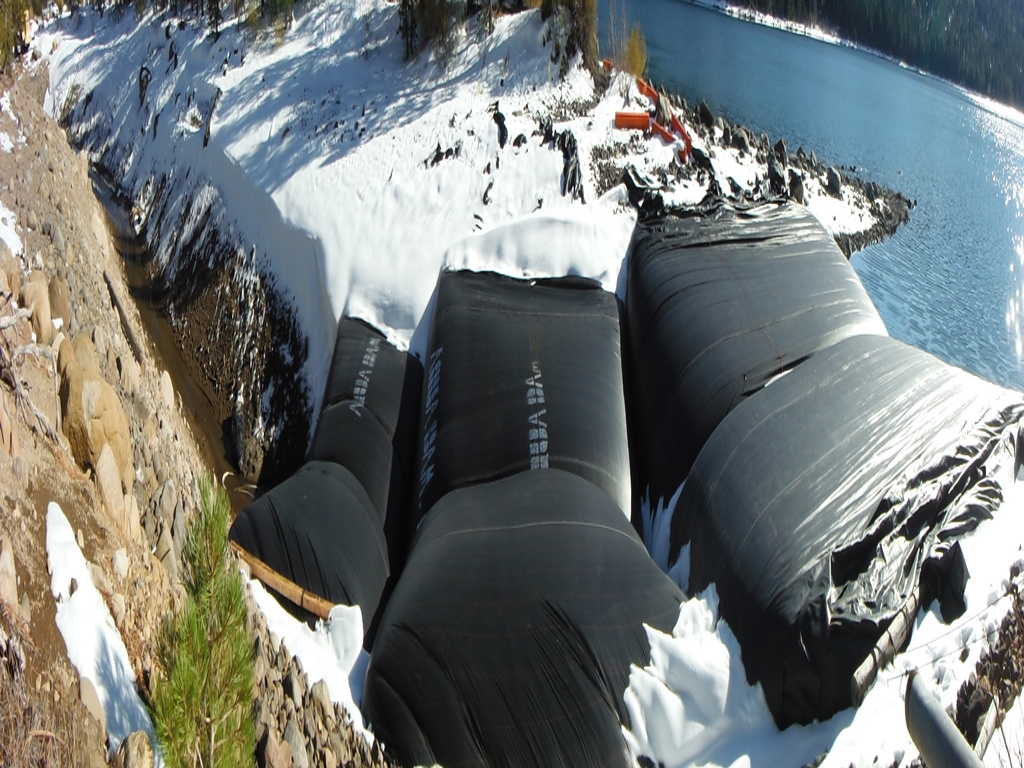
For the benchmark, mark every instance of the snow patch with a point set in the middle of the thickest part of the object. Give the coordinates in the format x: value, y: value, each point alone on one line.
x: 8, y: 230
x: 332, y: 651
x: 92, y: 639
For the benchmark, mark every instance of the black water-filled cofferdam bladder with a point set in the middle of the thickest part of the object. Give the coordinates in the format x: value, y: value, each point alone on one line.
x: 509, y: 638
x: 520, y: 375
x: 823, y: 505
x: 338, y: 528
x: 720, y: 303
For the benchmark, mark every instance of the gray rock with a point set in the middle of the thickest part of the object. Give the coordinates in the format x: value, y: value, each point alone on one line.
x: 741, y: 139
x: 165, y: 552
x: 780, y: 152
x: 91, y: 700
x: 117, y: 608
x: 663, y: 111
x: 293, y: 738
x: 776, y: 177
x: 8, y: 576
x: 178, y: 527
x: 135, y: 751
x: 108, y: 479
x: 796, y: 186
x: 293, y: 688
x: 704, y: 114
x: 168, y: 501
x: 33, y: 220
x: 167, y: 390
x: 322, y: 697
x: 119, y: 562
x: 272, y: 753
x: 57, y: 238
x: 834, y: 183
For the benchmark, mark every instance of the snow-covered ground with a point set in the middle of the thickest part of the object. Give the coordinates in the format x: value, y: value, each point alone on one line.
x: 356, y: 177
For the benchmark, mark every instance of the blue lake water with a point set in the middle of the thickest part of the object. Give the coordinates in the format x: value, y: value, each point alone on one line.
x: 952, y: 280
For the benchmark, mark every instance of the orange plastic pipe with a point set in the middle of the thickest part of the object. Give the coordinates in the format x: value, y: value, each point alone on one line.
x: 635, y: 120
x: 664, y: 132
x: 646, y: 90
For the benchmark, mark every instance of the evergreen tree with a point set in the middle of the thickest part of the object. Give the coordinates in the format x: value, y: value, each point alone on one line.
x: 202, y: 705
x: 12, y: 22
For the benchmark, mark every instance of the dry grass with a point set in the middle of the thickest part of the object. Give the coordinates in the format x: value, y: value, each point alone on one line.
x: 32, y: 730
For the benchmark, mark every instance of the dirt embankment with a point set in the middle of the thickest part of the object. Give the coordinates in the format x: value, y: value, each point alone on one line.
x: 90, y: 419
x: 87, y: 420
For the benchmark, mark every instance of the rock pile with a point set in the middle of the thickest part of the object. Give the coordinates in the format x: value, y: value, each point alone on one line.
x: 298, y: 724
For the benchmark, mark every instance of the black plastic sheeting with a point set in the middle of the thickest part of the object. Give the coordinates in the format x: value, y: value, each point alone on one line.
x: 339, y: 526
x: 509, y: 638
x: 521, y: 375
x: 320, y: 529
x: 720, y: 303
x: 818, y: 505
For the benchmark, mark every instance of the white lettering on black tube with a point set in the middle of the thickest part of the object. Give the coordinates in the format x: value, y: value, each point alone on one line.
x: 362, y: 383
x: 537, y: 431
x: 430, y: 420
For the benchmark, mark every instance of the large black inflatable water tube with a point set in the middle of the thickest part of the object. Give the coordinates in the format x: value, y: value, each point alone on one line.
x: 820, y: 505
x: 339, y: 526
x: 521, y: 375
x: 718, y: 304
x: 509, y: 638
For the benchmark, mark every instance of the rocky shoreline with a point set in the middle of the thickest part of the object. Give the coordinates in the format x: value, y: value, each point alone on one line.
x: 786, y: 175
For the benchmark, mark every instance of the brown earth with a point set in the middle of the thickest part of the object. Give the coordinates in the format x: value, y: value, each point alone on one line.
x: 67, y: 248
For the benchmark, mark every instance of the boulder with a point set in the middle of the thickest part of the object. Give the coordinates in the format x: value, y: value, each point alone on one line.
x: 57, y: 238
x: 65, y: 356
x: 135, y: 751
x: 780, y: 152
x: 834, y: 183
x: 119, y: 563
x: 93, y: 417
x: 108, y: 480
x: 272, y: 753
x: 131, y: 373
x: 14, y: 281
x: 117, y: 608
x: 60, y: 300
x: 796, y: 186
x: 36, y: 296
x: 741, y: 139
x: 85, y: 354
x: 168, y: 500
x: 167, y: 390
x: 165, y: 552
x: 776, y: 177
x: 91, y: 700
x: 8, y: 577
x: 293, y: 737
x: 663, y: 111
x: 704, y: 114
